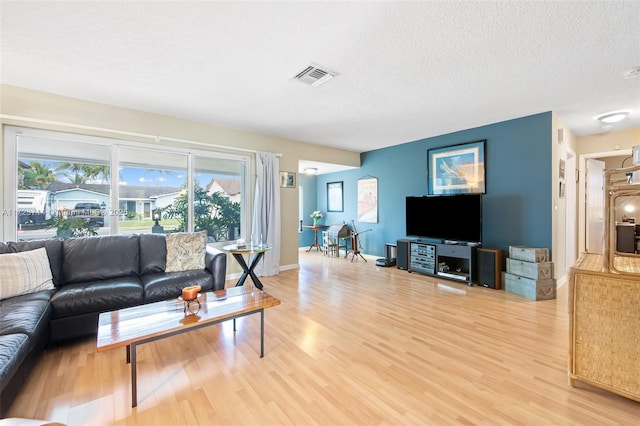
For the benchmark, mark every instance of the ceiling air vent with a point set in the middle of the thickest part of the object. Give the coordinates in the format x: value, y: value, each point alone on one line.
x: 314, y: 75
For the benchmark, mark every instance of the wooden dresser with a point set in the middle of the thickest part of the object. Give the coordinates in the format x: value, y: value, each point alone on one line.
x: 604, y: 314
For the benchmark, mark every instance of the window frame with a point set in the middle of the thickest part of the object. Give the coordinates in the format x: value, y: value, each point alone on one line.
x: 10, y: 165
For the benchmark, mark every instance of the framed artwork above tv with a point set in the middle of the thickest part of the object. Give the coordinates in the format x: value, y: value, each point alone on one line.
x: 457, y: 169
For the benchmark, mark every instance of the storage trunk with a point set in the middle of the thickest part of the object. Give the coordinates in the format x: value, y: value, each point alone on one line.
x: 529, y: 254
x: 530, y: 288
x: 536, y: 271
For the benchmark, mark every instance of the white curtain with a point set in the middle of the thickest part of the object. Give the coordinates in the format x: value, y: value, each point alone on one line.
x: 266, y: 212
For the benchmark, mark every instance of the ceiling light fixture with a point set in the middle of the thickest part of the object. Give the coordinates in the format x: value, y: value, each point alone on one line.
x: 310, y: 171
x: 613, y: 117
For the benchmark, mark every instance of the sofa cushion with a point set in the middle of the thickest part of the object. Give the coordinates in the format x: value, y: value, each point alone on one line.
x: 185, y: 251
x: 54, y: 253
x: 13, y: 350
x: 25, y: 272
x: 97, y: 296
x: 153, y: 253
x: 28, y: 314
x: 99, y: 258
x: 169, y: 285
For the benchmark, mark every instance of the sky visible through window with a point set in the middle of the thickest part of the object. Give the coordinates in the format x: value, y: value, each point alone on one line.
x: 136, y: 175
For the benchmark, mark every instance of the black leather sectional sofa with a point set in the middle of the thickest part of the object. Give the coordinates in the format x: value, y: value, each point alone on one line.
x: 91, y: 275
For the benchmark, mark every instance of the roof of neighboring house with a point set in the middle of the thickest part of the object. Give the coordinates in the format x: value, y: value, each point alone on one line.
x: 126, y: 191
x: 229, y: 186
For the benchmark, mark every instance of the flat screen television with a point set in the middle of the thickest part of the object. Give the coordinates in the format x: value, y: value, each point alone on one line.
x: 448, y: 218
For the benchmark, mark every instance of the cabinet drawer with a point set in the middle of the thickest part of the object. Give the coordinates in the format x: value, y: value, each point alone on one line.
x: 454, y: 250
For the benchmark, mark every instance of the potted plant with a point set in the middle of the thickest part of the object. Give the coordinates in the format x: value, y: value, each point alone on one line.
x: 316, y: 215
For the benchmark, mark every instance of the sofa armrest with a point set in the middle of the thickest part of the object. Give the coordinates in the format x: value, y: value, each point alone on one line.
x: 216, y: 263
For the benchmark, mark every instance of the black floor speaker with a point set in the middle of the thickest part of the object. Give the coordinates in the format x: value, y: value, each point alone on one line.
x: 489, y: 264
x: 402, y: 254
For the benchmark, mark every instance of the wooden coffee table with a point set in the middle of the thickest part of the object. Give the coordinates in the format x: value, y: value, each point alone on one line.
x: 134, y: 326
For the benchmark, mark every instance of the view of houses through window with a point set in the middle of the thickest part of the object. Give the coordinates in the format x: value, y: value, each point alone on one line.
x: 64, y: 188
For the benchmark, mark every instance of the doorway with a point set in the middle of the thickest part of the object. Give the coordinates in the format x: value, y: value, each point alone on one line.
x: 591, y: 197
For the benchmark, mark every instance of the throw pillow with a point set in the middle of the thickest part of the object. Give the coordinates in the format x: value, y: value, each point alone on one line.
x: 185, y: 251
x: 24, y: 272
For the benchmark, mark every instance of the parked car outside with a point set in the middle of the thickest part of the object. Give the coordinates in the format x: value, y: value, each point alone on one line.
x: 90, y: 213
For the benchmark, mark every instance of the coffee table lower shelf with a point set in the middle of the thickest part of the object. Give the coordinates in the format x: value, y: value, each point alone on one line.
x: 141, y: 328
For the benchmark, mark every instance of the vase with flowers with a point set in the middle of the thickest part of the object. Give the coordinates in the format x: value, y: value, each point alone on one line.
x: 316, y: 216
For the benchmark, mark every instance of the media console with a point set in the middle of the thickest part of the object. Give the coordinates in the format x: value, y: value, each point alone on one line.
x: 450, y: 261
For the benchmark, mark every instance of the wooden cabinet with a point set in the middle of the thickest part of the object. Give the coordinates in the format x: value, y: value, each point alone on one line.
x: 604, y: 329
x: 604, y: 305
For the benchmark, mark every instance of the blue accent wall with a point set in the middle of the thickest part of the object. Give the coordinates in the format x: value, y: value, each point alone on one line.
x: 517, y: 206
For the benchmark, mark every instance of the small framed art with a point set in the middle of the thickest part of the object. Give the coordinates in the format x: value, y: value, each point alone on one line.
x: 368, y: 199
x: 287, y: 179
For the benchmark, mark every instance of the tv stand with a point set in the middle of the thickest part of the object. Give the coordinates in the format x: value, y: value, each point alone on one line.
x: 450, y: 261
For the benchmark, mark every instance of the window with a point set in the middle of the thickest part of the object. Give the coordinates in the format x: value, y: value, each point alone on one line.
x: 148, y: 184
x: 218, y: 194
x: 62, y: 184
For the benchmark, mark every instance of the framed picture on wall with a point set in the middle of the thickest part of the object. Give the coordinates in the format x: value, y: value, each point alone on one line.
x: 457, y: 169
x: 335, y: 197
x: 287, y: 179
x: 368, y: 200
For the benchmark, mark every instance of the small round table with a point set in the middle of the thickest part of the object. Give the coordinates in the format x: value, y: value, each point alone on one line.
x: 315, y: 229
x: 238, y: 254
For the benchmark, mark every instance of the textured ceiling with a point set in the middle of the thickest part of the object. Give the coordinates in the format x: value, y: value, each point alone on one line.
x: 407, y: 70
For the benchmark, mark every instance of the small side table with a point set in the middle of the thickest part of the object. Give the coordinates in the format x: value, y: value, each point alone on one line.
x: 238, y: 254
x: 315, y: 229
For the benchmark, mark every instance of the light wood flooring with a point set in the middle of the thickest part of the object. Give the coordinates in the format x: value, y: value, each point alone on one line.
x: 350, y: 344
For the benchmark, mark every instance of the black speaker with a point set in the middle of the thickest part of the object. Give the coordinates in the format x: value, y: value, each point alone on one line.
x: 402, y: 254
x: 489, y: 265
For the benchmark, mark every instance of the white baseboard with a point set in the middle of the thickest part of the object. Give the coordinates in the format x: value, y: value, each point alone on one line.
x: 561, y: 281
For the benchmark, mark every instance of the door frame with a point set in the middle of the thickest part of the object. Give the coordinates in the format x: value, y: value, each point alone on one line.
x: 582, y: 196
x: 571, y: 227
